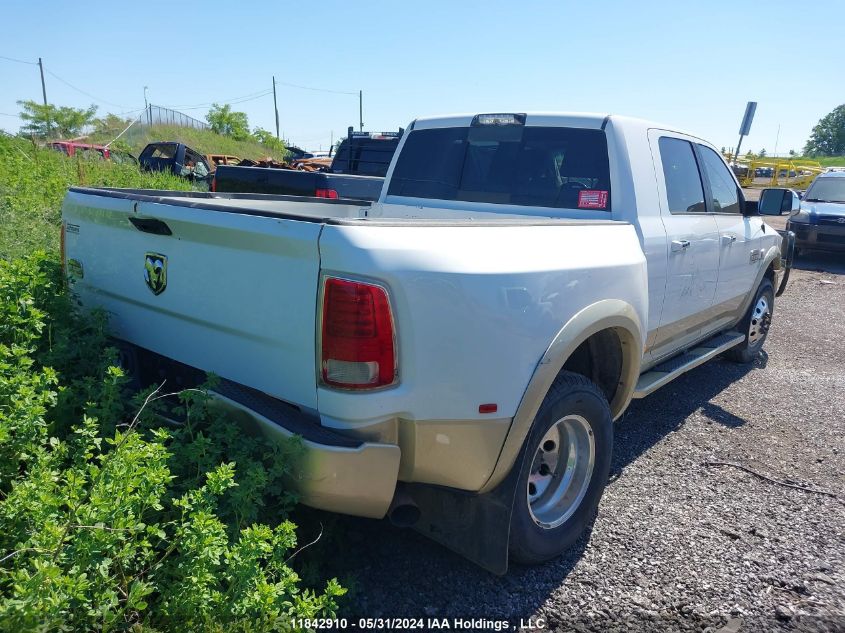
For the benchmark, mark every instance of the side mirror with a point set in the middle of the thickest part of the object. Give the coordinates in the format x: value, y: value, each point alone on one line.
x: 778, y: 202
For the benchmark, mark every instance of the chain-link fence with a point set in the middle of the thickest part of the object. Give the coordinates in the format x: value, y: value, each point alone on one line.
x: 158, y: 115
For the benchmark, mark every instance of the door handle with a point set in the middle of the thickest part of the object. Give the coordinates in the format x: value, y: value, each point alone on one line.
x: 728, y: 239
x: 679, y: 245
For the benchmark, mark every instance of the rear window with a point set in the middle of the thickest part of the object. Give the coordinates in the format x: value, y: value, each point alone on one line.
x: 369, y: 157
x: 161, y: 151
x: 529, y: 166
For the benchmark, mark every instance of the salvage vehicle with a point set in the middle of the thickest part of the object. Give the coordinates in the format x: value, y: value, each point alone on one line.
x: 215, y: 160
x: 356, y: 172
x: 818, y: 220
x: 89, y: 150
x: 454, y: 354
x: 177, y: 159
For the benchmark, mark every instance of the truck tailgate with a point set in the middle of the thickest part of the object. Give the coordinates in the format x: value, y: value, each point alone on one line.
x: 231, y: 293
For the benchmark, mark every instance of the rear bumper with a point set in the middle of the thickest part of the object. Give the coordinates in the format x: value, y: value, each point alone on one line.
x: 337, y: 473
x: 818, y: 237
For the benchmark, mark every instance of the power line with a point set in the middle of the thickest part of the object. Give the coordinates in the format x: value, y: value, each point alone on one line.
x: 20, y: 61
x: 241, y: 99
x: 80, y: 90
x: 337, y: 92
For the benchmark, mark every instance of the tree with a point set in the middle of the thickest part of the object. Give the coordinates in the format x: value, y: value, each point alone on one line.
x: 269, y: 140
x: 44, y: 121
x: 792, y: 152
x: 762, y: 153
x: 110, y: 124
x: 228, y: 123
x: 828, y: 137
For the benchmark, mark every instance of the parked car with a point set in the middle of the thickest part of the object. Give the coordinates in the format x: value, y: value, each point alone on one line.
x: 364, y: 156
x: 89, y: 150
x: 453, y: 354
x: 177, y: 159
x: 818, y: 218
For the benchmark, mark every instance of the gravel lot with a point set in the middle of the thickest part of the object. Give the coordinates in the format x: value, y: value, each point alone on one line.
x: 679, y: 545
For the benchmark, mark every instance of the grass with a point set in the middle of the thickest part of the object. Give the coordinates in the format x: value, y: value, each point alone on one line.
x: 829, y: 161
x: 33, y: 183
x: 204, y: 141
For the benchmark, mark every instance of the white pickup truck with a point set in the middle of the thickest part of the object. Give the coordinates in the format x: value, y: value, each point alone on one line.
x: 454, y: 353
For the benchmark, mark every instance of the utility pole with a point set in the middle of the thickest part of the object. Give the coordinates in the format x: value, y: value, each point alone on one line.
x: 275, y: 107
x: 44, y: 93
x: 361, y: 110
x: 43, y: 86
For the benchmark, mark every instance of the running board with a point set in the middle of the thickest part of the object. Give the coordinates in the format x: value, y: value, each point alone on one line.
x: 656, y: 377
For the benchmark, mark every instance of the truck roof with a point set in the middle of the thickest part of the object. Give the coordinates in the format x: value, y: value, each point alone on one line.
x: 590, y: 120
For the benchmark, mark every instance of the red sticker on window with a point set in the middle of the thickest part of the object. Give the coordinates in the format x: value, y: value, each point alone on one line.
x: 592, y: 199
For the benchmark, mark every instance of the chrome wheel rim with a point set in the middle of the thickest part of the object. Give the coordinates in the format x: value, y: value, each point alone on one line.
x: 561, y: 471
x: 761, y: 318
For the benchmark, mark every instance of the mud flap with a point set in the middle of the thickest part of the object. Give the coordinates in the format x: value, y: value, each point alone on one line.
x: 476, y: 526
x: 788, y: 250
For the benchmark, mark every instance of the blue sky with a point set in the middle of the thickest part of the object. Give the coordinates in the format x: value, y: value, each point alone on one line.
x: 689, y: 64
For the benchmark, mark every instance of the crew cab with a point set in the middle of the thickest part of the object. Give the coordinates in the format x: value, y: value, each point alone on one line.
x: 453, y: 354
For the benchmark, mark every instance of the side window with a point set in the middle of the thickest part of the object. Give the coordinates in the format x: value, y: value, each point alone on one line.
x: 680, y: 171
x: 722, y: 184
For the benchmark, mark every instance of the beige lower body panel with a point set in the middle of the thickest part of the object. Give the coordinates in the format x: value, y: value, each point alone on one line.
x: 362, y: 481
x: 359, y: 481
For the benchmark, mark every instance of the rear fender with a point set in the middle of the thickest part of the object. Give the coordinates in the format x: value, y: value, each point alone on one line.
x: 606, y: 314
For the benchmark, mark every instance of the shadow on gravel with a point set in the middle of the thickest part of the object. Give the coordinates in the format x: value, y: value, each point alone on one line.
x: 817, y: 261
x: 399, y: 573
x: 649, y: 420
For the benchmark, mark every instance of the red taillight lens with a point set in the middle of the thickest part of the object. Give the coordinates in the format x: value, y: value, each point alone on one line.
x: 326, y: 193
x: 213, y: 186
x: 357, y: 344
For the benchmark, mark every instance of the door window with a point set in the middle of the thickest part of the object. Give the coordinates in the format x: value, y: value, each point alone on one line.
x: 680, y: 172
x: 722, y: 185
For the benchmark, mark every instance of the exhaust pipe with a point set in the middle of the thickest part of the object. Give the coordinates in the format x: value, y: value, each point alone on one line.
x: 403, y: 511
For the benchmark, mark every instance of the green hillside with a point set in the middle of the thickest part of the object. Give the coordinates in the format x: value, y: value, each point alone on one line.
x: 33, y: 182
x: 204, y: 141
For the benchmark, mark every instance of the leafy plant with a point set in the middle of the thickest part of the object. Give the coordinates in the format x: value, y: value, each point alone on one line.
x: 111, y: 521
x: 227, y: 122
x: 828, y: 136
x: 50, y: 121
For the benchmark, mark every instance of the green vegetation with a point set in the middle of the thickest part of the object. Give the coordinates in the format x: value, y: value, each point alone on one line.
x: 50, y: 121
x: 109, y: 519
x: 228, y: 123
x: 204, y: 141
x: 829, y: 161
x: 828, y: 136
x: 33, y: 182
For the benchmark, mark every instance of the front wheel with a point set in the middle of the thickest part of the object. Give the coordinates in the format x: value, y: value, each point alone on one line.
x: 755, y: 325
x: 564, y: 470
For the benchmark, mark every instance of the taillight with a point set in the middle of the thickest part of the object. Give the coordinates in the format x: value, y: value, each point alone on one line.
x: 213, y: 185
x: 326, y: 193
x: 357, y: 346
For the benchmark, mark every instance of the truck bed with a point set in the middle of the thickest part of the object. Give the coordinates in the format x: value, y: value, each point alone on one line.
x: 238, y: 289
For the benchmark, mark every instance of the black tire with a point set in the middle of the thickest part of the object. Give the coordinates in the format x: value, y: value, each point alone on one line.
x: 571, y: 394
x: 748, y: 350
